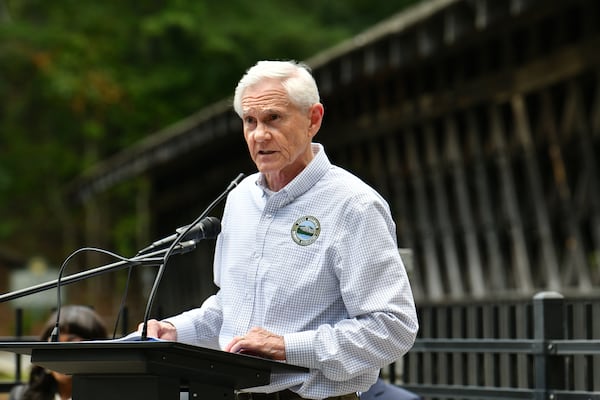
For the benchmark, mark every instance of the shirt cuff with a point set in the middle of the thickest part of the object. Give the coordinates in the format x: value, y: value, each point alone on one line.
x: 299, y: 349
x: 186, y: 330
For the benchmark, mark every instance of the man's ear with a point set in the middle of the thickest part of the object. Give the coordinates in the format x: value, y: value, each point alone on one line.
x: 316, y: 118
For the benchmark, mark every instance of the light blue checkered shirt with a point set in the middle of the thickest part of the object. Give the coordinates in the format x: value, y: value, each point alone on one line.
x: 343, y: 303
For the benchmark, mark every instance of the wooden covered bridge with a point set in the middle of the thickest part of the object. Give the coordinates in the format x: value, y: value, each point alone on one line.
x: 479, y: 121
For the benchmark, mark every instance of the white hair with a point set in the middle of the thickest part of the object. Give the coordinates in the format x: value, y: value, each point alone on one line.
x: 294, y: 76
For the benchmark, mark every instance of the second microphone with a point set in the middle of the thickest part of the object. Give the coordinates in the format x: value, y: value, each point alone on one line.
x: 207, y: 228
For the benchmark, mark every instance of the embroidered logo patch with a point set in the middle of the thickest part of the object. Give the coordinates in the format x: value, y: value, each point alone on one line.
x: 306, y: 230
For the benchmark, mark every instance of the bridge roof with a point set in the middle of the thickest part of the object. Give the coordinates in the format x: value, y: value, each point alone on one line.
x: 417, y: 32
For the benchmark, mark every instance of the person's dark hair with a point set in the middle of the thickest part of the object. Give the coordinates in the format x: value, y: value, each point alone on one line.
x: 77, y: 320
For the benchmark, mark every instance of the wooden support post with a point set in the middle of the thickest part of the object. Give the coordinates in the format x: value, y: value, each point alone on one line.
x: 456, y: 160
x: 548, y: 261
x: 426, y: 235
x: 520, y: 260
x: 446, y: 232
x: 494, y: 259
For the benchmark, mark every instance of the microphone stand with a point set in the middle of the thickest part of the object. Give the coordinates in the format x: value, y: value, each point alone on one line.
x: 150, y: 259
x: 161, y: 270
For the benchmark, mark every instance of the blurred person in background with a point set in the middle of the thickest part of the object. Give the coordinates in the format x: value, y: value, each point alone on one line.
x: 77, y: 323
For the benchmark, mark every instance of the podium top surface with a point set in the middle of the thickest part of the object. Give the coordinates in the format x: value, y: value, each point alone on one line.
x: 167, y: 358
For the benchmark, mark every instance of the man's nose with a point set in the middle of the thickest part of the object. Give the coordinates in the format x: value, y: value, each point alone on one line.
x: 261, y: 133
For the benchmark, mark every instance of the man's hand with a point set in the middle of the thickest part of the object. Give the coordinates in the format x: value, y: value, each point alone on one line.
x: 160, y: 330
x: 258, y: 342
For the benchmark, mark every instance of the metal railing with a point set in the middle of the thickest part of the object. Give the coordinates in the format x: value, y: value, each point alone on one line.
x: 547, y: 349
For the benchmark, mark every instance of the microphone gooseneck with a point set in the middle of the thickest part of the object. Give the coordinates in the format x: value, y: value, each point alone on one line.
x: 212, y: 226
x: 54, y: 336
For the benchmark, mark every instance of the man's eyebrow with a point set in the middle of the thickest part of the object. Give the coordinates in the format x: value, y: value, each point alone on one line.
x: 263, y: 111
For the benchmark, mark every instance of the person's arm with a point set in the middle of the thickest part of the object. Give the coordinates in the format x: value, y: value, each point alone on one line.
x: 199, y: 326
x: 382, y: 323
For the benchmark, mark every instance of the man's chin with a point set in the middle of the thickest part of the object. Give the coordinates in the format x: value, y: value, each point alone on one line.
x: 267, y: 168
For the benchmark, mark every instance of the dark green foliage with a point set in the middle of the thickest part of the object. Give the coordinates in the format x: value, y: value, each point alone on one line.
x: 81, y: 80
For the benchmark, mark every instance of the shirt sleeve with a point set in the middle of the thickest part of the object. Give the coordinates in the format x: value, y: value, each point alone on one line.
x: 200, y: 326
x: 382, y: 323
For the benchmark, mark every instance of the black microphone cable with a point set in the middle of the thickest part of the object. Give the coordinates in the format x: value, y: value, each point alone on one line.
x: 56, y: 330
x: 123, y: 300
x: 161, y: 269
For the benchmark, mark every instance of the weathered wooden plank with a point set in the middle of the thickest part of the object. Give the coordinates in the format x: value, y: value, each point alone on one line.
x: 435, y: 175
x: 549, y: 261
x: 520, y: 267
x: 487, y: 231
x: 425, y: 232
x: 404, y: 220
x: 465, y: 208
x: 573, y: 128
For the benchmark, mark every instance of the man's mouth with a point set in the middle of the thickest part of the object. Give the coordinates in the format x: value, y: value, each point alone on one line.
x: 265, y: 152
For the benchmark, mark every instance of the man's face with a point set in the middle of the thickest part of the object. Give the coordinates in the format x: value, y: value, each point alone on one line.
x: 277, y: 132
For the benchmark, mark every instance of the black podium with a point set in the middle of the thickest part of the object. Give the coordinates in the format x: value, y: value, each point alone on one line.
x: 150, y: 370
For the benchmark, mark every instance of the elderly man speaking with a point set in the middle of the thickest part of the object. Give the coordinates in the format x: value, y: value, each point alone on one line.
x: 307, y: 263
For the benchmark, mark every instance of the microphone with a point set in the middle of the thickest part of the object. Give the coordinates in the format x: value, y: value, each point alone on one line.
x: 208, y: 228
x: 232, y: 185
